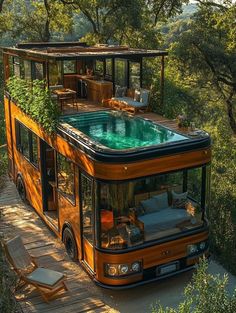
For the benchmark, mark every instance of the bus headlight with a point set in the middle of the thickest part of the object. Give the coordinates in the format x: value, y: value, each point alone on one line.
x: 116, y: 270
x: 136, y: 266
x: 192, y: 249
x: 202, y: 245
x: 197, y: 248
x: 123, y: 269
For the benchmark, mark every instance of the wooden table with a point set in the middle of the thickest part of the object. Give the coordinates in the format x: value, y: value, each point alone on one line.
x: 65, y: 95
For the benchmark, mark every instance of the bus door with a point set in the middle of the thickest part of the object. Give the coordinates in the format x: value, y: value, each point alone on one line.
x: 87, y: 218
x: 49, y: 186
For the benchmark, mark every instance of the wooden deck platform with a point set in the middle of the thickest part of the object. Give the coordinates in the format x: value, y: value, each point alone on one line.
x: 83, y: 105
x: 20, y: 219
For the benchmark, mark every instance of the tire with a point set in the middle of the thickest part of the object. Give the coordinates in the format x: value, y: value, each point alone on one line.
x: 70, y: 244
x: 20, y: 185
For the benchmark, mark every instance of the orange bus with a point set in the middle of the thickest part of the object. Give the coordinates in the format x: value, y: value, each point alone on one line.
x: 125, y: 189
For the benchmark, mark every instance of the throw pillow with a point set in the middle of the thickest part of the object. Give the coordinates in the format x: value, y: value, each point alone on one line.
x: 150, y: 205
x: 123, y: 91
x: 118, y: 92
x: 144, y: 95
x: 179, y: 200
x: 162, y: 201
x: 136, y: 95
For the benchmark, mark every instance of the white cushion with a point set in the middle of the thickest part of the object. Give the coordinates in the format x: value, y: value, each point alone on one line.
x: 179, y: 200
x: 45, y: 276
x: 144, y: 95
x: 136, y: 95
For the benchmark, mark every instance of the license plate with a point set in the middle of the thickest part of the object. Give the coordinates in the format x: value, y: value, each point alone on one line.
x: 165, y: 269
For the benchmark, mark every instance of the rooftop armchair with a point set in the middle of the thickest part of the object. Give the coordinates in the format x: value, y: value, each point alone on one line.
x: 46, y: 281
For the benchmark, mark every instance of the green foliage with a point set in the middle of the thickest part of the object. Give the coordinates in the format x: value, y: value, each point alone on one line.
x: 3, y: 166
x: 205, y: 294
x: 127, y: 21
x: 7, y: 285
x: 2, y: 120
x: 34, y: 99
x: 207, y: 49
x: 35, y: 20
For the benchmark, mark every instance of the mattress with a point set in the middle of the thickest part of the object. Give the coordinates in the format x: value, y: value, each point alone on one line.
x: 164, y: 219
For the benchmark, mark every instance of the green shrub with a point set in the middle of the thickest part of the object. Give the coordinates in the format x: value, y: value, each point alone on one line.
x: 3, y: 166
x: 205, y: 294
x: 35, y: 100
x: 7, y: 286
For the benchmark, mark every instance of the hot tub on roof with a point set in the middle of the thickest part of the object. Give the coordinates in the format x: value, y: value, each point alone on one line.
x: 118, y: 134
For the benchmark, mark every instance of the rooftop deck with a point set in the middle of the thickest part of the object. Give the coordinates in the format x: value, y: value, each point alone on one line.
x: 82, y: 106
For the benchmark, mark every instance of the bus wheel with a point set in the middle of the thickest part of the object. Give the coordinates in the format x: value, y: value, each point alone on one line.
x: 21, y: 188
x: 70, y: 244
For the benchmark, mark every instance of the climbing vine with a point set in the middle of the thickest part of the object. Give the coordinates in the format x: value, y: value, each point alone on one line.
x: 35, y: 100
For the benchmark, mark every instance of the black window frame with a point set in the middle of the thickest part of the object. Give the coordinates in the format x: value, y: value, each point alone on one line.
x: 30, y: 158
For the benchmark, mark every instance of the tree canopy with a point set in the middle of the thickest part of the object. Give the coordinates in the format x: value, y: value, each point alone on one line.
x: 207, y: 48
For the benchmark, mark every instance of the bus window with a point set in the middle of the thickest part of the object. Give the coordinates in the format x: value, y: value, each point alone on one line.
x: 87, y: 207
x: 135, y: 212
x: 27, y: 143
x: 65, y: 177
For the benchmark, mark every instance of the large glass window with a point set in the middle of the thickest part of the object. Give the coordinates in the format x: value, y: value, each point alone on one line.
x: 150, y: 208
x: 108, y: 67
x: 134, y: 75
x: 55, y: 73
x: 121, y: 72
x: 69, y: 66
x: 27, y: 70
x: 27, y: 143
x: 38, y: 71
x: 65, y: 177
x: 87, y: 207
x: 16, y: 67
x: 99, y: 68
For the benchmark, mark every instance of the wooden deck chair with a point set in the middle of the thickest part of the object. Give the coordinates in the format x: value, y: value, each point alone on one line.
x: 46, y: 281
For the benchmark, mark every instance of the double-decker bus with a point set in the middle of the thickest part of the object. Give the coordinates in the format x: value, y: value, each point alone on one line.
x: 124, y: 188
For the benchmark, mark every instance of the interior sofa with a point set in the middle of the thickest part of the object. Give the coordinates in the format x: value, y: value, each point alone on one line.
x: 159, y: 217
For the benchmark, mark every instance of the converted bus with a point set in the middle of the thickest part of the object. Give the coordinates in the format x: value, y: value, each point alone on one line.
x: 126, y: 193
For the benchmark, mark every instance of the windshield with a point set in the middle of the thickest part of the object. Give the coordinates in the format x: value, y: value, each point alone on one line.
x: 133, y: 212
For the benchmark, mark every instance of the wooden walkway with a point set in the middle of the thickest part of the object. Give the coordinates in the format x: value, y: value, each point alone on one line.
x: 20, y: 219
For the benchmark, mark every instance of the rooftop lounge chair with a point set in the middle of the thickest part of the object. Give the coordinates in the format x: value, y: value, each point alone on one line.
x: 46, y: 281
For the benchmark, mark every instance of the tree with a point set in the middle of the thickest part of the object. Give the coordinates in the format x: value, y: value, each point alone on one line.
x: 34, y: 20
x: 207, y: 48
x: 124, y: 21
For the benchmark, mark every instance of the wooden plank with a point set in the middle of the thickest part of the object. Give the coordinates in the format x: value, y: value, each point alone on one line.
x: 40, y: 241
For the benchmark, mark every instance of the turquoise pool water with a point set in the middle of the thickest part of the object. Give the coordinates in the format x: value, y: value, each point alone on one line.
x: 119, y: 131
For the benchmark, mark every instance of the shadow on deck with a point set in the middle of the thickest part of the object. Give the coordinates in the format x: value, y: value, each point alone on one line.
x: 20, y: 219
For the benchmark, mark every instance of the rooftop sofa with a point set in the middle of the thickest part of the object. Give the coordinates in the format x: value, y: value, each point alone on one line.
x: 129, y: 99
